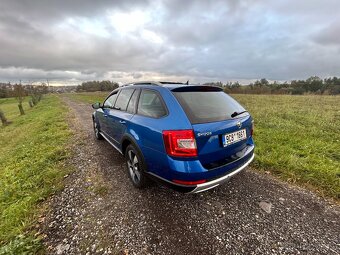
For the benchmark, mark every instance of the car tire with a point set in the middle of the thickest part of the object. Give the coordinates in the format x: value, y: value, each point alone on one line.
x: 135, y: 167
x: 96, y: 129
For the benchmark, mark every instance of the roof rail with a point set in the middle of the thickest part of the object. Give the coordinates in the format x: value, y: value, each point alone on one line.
x: 146, y: 83
x: 156, y: 83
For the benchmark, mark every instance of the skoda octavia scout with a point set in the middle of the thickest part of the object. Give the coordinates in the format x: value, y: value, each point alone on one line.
x: 191, y: 137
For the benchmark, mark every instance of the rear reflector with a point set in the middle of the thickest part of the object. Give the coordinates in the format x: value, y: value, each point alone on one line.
x: 252, y: 128
x: 180, y: 143
x: 189, y: 182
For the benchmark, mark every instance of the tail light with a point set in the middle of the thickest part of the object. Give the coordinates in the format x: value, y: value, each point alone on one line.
x: 180, y: 143
x: 252, y: 128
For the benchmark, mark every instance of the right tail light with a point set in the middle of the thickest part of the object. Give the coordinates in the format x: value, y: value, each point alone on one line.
x: 252, y: 128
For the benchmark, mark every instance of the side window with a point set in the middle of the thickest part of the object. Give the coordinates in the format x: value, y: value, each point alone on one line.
x: 150, y: 104
x: 111, y: 100
x: 132, y: 104
x: 123, y: 99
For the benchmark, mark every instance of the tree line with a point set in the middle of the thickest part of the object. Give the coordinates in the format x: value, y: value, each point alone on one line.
x: 312, y: 85
x: 10, y: 90
x: 91, y: 86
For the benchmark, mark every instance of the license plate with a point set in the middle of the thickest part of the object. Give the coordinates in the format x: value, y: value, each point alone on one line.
x: 234, y: 137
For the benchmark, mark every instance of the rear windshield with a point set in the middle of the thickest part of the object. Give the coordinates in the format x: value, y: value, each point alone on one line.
x: 208, y: 106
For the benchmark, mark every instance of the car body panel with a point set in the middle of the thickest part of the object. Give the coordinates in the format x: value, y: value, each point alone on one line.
x: 118, y: 122
x: 210, y: 147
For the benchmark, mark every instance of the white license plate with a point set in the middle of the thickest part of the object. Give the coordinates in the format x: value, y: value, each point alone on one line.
x: 234, y: 137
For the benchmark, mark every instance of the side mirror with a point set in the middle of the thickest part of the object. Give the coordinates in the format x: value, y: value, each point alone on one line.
x: 96, y: 105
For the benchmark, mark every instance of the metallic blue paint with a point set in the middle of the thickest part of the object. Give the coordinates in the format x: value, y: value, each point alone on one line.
x: 146, y: 133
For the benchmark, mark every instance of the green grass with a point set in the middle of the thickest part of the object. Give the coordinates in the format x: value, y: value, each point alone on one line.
x: 298, y: 138
x: 31, y: 150
x: 89, y: 97
x: 10, y: 107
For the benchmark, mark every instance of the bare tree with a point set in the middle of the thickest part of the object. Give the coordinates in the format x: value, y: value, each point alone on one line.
x: 3, y: 118
x: 19, y: 93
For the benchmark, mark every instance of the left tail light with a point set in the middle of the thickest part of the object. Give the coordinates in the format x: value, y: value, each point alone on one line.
x: 180, y: 143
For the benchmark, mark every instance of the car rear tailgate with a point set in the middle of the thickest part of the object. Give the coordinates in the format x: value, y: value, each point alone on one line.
x: 209, y: 140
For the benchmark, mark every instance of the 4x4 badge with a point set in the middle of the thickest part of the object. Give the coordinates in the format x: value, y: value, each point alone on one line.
x: 239, y: 124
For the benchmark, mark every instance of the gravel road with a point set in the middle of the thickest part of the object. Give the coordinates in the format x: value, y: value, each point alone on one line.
x: 99, y: 212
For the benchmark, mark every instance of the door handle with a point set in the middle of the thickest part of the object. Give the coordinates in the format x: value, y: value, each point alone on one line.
x: 122, y: 121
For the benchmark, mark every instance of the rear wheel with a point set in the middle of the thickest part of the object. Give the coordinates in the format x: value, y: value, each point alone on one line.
x: 97, y: 130
x: 136, y: 168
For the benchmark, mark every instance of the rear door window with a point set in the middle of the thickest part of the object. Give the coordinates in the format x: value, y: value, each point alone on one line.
x: 151, y: 105
x: 123, y: 99
x: 208, y: 106
x: 132, y: 103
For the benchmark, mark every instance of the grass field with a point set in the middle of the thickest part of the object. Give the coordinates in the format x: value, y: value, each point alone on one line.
x: 31, y: 149
x: 297, y: 137
x: 89, y: 97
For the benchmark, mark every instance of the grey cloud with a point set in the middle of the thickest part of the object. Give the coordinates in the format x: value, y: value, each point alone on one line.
x: 137, y: 75
x: 197, y: 40
x: 29, y: 74
x: 329, y: 35
x: 50, y: 10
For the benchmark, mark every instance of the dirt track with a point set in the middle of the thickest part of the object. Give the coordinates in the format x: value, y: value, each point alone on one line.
x: 100, y: 212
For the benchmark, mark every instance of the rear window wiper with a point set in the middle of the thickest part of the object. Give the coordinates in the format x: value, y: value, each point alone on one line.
x: 234, y: 114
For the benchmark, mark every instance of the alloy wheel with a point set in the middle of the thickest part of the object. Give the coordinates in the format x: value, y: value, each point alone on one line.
x: 133, y: 166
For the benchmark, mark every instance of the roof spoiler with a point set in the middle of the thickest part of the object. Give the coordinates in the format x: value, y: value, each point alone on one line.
x: 195, y: 88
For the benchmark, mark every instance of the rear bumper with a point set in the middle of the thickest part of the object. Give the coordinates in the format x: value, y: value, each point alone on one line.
x: 204, y: 186
x: 214, y: 183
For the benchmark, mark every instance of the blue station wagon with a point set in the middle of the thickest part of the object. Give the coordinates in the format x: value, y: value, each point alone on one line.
x: 190, y: 137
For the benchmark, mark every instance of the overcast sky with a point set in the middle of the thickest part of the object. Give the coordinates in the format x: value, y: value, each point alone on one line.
x: 71, y: 41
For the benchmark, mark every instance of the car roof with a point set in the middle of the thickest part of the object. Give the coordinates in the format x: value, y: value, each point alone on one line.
x: 165, y: 84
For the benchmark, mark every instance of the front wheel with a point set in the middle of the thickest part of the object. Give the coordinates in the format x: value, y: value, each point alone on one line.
x: 136, y: 168
x: 97, y: 133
